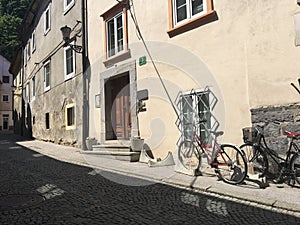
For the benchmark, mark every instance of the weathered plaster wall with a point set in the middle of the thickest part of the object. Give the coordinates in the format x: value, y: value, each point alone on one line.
x: 62, y: 92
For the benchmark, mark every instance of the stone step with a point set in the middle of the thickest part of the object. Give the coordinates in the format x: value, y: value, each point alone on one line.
x: 114, y: 151
x: 112, y: 148
x: 118, y: 155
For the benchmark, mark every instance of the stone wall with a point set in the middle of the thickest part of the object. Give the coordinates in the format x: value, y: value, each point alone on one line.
x: 287, y: 117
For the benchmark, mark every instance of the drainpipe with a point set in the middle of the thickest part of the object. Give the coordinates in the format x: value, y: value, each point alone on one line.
x: 85, y: 108
x: 22, y: 92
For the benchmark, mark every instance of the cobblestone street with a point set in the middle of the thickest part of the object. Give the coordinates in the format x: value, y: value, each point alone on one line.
x: 36, y: 189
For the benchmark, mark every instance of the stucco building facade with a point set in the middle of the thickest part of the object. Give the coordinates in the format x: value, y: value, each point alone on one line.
x: 48, y: 74
x: 152, y: 67
x: 6, y: 101
x: 243, y: 52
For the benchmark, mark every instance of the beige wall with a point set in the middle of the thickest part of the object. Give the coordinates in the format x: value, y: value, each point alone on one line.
x: 5, y: 89
x: 247, y: 57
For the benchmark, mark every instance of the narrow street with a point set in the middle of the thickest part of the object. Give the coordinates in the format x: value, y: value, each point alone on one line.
x: 35, y: 189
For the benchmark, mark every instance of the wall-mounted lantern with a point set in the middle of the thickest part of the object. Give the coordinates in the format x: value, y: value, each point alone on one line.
x: 66, y: 32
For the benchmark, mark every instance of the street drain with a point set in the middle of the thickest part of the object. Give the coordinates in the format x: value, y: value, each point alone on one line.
x: 19, y: 201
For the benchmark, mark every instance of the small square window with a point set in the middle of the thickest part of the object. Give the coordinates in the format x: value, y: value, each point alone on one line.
x: 5, y: 79
x: 5, y: 98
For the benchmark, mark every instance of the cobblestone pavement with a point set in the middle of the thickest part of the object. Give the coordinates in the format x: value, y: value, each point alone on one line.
x: 36, y: 189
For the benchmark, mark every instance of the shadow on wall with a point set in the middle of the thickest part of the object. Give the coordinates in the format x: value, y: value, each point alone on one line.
x: 23, y: 121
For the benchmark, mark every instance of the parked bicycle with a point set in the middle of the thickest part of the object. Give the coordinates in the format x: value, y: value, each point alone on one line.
x: 258, y: 156
x: 228, y: 160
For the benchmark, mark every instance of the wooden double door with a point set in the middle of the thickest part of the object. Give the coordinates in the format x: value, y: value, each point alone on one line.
x: 117, y: 107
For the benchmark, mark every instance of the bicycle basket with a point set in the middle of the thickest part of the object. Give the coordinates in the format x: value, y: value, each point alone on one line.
x: 250, y: 135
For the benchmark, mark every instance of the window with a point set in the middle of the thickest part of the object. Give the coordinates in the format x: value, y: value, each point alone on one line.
x: 47, y: 121
x: 5, y: 79
x: 68, y: 4
x: 33, y: 41
x: 5, y: 119
x: 70, y: 116
x: 5, y: 98
x: 27, y: 90
x: 33, y: 88
x: 47, y: 20
x: 47, y: 71
x: 28, y: 50
x: 196, y: 106
x: 186, y: 9
x: 116, y: 37
x: 185, y: 15
x: 69, y: 61
x: 24, y: 56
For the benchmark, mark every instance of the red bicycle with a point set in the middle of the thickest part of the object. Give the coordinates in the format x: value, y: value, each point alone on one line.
x: 228, y: 160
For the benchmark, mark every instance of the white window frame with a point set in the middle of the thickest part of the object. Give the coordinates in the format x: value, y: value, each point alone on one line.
x: 116, y: 51
x: 33, y: 87
x: 27, y: 90
x: 25, y: 56
x: 47, y: 88
x: 29, y: 49
x: 188, y: 11
x: 73, y: 125
x: 193, y: 106
x: 46, y: 28
x: 33, y: 43
x: 70, y: 75
x: 67, y: 6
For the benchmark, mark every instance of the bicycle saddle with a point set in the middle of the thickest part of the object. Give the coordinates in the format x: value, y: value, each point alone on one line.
x: 217, y: 133
x: 292, y: 134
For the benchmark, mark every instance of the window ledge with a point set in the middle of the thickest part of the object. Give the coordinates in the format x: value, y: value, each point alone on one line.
x: 72, y: 127
x: 193, y: 23
x: 117, y: 58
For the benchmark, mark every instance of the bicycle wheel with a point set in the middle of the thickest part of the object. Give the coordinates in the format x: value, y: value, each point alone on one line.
x: 189, y: 155
x: 295, y: 167
x: 256, y: 159
x: 231, y: 164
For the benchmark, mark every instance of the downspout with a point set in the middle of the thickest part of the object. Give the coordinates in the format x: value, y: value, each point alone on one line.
x: 85, y: 117
x: 22, y: 92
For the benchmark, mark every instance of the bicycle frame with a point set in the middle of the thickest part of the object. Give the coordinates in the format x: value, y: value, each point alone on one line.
x: 210, y: 151
x: 280, y: 161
